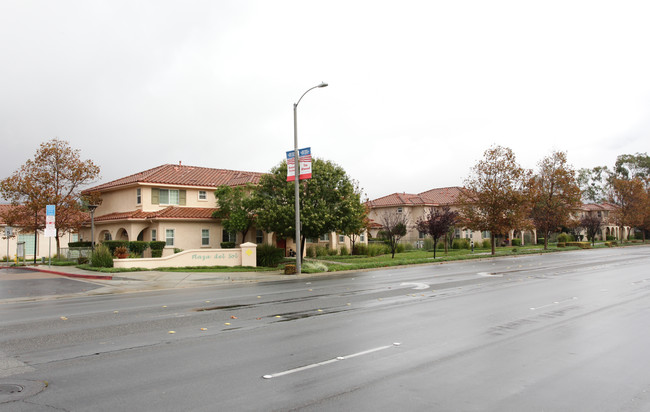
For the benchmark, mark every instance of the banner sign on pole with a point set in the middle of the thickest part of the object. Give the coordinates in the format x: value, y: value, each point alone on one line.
x: 305, y: 164
x: 50, y: 229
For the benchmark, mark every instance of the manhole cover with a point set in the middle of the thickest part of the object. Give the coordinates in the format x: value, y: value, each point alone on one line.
x: 8, y: 389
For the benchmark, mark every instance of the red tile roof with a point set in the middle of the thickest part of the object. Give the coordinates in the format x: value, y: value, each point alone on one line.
x: 3, y: 210
x: 170, y: 212
x: 433, y: 197
x: 180, y: 175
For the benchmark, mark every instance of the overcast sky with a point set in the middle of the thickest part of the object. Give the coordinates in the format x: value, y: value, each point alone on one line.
x: 418, y: 90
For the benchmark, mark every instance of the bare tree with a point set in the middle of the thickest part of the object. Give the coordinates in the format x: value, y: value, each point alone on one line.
x: 592, y: 225
x: 437, y: 223
x: 394, y: 226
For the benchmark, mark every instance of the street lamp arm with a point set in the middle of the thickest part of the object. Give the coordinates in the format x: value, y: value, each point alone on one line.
x: 323, y: 84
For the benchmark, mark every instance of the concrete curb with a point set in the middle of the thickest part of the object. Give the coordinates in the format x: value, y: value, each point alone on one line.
x: 68, y: 274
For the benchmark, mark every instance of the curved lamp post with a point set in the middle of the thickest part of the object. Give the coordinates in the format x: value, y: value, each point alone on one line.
x: 296, y: 159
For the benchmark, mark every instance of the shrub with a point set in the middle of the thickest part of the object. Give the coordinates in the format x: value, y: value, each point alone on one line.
x: 120, y: 250
x: 428, y: 243
x: 269, y: 256
x: 157, y: 248
x: 113, y: 244
x: 516, y: 242
x: 609, y: 237
x: 290, y: 269
x: 82, y: 260
x: 102, y: 257
x: 581, y: 245
x: 344, y: 250
x: 177, y: 250
x: 321, y: 250
x: 138, y: 247
x: 311, y: 251
x: 460, y: 244
x: 332, y: 252
x: 400, y: 248
x: 227, y: 245
x: 540, y: 240
x: 561, y: 244
x: 562, y: 238
x: 361, y: 249
x: 80, y: 244
x: 376, y: 249
x: 487, y: 244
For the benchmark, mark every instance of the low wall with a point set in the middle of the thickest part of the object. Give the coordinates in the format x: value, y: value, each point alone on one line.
x: 245, y: 255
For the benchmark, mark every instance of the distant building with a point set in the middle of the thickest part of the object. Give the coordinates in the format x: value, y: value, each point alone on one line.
x: 38, y: 244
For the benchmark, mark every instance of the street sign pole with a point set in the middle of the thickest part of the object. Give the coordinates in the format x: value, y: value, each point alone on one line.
x: 50, y: 228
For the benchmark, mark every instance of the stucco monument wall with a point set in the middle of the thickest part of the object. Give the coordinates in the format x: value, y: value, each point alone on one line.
x: 245, y: 255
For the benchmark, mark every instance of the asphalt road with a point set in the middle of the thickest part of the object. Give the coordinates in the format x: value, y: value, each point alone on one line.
x: 23, y: 283
x: 556, y: 332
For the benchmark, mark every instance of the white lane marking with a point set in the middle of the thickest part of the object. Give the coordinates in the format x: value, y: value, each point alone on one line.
x: 417, y: 286
x: 494, y: 275
x: 327, y: 362
x: 554, y: 303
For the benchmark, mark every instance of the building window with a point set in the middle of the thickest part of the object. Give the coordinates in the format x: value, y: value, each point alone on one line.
x: 154, y: 235
x: 169, y: 196
x: 107, y: 236
x: 228, y: 236
x: 457, y: 233
x: 259, y: 237
x: 203, y: 195
x: 485, y: 234
x: 399, y: 210
x: 74, y: 237
x: 422, y: 235
x: 341, y: 238
x: 310, y: 240
x: 29, y: 243
x: 205, y: 237
x: 362, y: 237
x: 138, y: 196
x: 169, y: 237
x: 325, y: 237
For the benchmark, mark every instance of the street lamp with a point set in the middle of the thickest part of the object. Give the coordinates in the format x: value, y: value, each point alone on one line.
x: 296, y: 160
x: 92, y: 208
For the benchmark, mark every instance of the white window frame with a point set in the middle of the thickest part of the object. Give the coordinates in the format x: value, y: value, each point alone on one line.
x: 400, y: 210
x: 167, y: 237
x: 168, y: 194
x: 259, y: 237
x: 138, y: 196
x: 324, y: 238
x: 154, y: 235
x: 205, y: 237
x: 203, y: 195
x: 341, y: 238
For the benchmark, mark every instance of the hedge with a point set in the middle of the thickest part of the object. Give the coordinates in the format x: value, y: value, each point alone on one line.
x: 113, y: 244
x: 581, y: 245
x: 157, y: 248
x: 80, y: 244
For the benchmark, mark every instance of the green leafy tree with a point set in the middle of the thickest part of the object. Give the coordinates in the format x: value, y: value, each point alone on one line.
x: 326, y: 200
x: 237, y: 208
x: 354, y: 220
x: 54, y: 176
x: 554, y: 194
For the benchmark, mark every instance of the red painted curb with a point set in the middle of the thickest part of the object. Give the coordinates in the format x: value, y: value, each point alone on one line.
x: 70, y: 275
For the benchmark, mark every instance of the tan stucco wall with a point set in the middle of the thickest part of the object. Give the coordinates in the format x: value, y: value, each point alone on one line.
x: 42, y: 246
x: 245, y: 255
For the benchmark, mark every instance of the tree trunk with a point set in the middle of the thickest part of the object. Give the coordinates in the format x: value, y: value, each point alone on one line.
x: 493, y: 240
